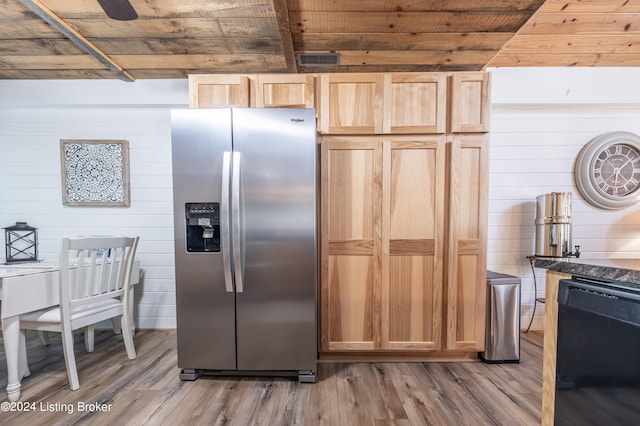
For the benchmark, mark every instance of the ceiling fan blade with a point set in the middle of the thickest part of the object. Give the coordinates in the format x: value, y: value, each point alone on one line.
x: 120, y: 10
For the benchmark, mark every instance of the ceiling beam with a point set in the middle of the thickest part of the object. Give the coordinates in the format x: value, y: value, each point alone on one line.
x: 284, y: 27
x: 60, y: 25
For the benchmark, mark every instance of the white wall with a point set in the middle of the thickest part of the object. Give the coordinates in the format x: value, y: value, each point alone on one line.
x: 35, y: 115
x: 540, y: 120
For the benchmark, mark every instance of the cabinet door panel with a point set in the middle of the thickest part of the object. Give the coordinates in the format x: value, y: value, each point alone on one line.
x: 350, y: 314
x: 472, y: 193
x: 415, y: 103
x: 413, y: 191
x: 220, y: 90
x: 350, y: 244
x: 413, y: 237
x: 469, y: 314
x: 413, y: 316
x: 466, y: 257
x: 284, y: 90
x: 351, y: 193
x: 351, y: 104
x: 470, y: 102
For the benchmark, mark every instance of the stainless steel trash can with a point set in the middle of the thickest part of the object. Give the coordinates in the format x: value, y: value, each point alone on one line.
x: 502, y: 334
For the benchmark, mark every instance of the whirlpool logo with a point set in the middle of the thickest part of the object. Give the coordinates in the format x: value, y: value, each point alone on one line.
x: 297, y: 120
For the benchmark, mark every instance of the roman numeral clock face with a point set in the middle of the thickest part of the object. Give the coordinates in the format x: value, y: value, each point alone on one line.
x: 616, y: 170
x: 607, y: 170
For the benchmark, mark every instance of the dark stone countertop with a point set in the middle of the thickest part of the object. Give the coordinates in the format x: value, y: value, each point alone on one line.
x: 621, y: 271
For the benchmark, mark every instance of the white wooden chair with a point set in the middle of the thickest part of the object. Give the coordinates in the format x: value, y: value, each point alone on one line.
x: 93, y: 288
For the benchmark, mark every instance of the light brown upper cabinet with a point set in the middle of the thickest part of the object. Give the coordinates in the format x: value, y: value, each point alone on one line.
x: 350, y: 104
x: 403, y: 103
x: 466, y: 242
x: 283, y: 90
x: 470, y: 102
x: 219, y: 90
x: 415, y: 103
x: 360, y: 103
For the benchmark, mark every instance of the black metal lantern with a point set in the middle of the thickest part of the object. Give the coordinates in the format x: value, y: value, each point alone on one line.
x: 21, y: 242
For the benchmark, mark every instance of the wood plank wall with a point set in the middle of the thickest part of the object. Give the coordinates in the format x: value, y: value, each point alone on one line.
x: 538, y: 126
x: 31, y: 190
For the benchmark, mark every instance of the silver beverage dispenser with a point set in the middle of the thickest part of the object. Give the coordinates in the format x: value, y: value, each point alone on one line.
x: 554, y: 226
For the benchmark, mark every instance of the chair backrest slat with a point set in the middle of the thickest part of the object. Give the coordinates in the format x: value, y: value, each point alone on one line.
x: 102, y: 271
x: 118, y: 261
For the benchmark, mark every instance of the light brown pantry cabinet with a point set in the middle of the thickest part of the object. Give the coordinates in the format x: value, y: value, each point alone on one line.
x: 404, y: 177
x: 466, y: 242
x: 382, y: 243
x: 351, y: 269
x: 413, y: 206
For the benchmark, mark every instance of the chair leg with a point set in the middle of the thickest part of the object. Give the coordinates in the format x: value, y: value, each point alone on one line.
x: 44, y: 337
x: 23, y: 364
x: 89, y: 338
x: 116, y: 325
x: 127, y: 335
x: 70, y: 359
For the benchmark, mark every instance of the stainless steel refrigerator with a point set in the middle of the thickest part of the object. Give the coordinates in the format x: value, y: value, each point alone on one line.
x: 244, y: 185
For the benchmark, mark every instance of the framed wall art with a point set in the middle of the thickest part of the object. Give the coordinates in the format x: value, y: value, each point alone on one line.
x: 95, y: 172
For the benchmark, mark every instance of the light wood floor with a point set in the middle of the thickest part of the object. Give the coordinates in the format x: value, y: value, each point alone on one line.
x: 147, y: 390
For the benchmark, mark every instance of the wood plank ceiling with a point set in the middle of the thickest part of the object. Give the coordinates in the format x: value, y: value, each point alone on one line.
x: 74, y: 39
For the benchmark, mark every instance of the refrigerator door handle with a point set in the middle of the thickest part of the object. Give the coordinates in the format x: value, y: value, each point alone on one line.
x: 225, y: 232
x: 235, y: 223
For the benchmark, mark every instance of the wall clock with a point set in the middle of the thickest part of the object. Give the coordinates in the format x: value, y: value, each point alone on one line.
x: 607, y: 170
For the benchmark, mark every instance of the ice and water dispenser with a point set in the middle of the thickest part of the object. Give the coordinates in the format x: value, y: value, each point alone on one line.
x: 203, y: 227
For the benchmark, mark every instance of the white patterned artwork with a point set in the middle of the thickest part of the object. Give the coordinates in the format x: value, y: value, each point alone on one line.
x: 95, y: 172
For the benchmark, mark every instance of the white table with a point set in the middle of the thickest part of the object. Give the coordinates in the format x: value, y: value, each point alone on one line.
x: 26, y: 288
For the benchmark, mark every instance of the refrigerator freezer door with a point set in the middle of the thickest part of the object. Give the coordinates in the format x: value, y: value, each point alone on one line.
x: 205, y: 310
x: 276, y: 313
